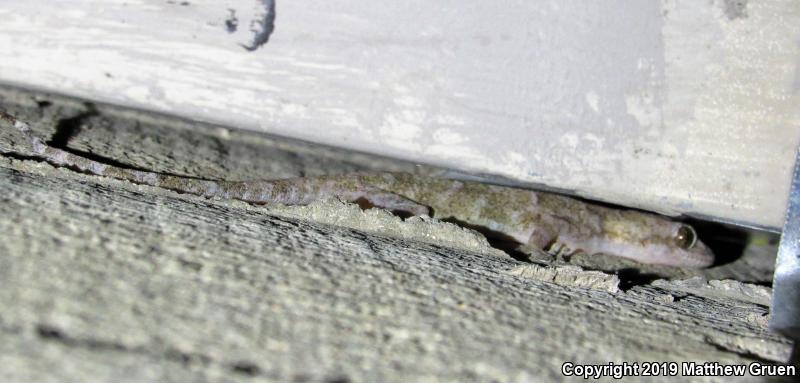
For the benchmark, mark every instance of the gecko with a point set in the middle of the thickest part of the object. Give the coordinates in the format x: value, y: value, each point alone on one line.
x: 547, y: 221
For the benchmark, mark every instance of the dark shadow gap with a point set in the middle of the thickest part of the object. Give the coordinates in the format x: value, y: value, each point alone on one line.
x: 66, y: 128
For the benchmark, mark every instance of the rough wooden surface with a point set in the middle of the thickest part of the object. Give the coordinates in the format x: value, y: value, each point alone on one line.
x: 108, y: 281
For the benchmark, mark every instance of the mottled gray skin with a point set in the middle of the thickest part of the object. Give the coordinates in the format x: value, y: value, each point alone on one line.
x: 544, y: 220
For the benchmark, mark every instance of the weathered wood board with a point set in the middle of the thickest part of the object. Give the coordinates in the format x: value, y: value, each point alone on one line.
x: 103, y: 280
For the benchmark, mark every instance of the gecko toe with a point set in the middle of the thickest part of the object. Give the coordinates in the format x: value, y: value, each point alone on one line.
x: 554, y: 249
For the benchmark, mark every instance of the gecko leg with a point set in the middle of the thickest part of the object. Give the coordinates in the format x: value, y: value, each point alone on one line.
x: 543, y: 238
x: 559, y: 250
x: 371, y: 196
x: 555, y: 249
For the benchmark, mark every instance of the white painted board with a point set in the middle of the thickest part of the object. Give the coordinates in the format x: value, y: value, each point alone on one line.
x: 674, y: 106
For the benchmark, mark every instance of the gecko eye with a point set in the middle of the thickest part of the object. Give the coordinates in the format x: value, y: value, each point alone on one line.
x: 686, y: 237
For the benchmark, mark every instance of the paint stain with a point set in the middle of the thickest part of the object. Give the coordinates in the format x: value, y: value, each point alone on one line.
x: 263, y: 25
x: 231, y: 23
x: 735, y: 9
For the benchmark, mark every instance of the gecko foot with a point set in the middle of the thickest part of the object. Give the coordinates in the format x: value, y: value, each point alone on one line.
x: 558, y: 249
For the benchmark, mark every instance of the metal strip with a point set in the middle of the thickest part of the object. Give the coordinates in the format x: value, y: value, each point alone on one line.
x: 785, y: 318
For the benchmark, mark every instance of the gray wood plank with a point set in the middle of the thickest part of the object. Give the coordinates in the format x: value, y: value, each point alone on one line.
x: 105, y: 280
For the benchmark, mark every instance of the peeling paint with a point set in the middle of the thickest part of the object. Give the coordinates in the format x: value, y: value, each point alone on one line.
x: 642, y: 108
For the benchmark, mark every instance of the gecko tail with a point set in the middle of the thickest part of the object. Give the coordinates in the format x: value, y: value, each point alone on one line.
x: 399, y: 205
x: 57, y: 157
x: 290, y: 192
x: 294, y: 191
x: 62, y: 158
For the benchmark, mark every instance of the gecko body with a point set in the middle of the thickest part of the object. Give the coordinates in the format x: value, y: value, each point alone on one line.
x: 544, y: 220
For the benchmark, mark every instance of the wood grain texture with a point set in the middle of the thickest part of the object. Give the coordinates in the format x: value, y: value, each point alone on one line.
x: 105, y: 280
x: 184, y: 286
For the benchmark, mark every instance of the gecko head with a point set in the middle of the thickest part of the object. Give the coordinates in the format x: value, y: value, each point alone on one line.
x: 652, y: 239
